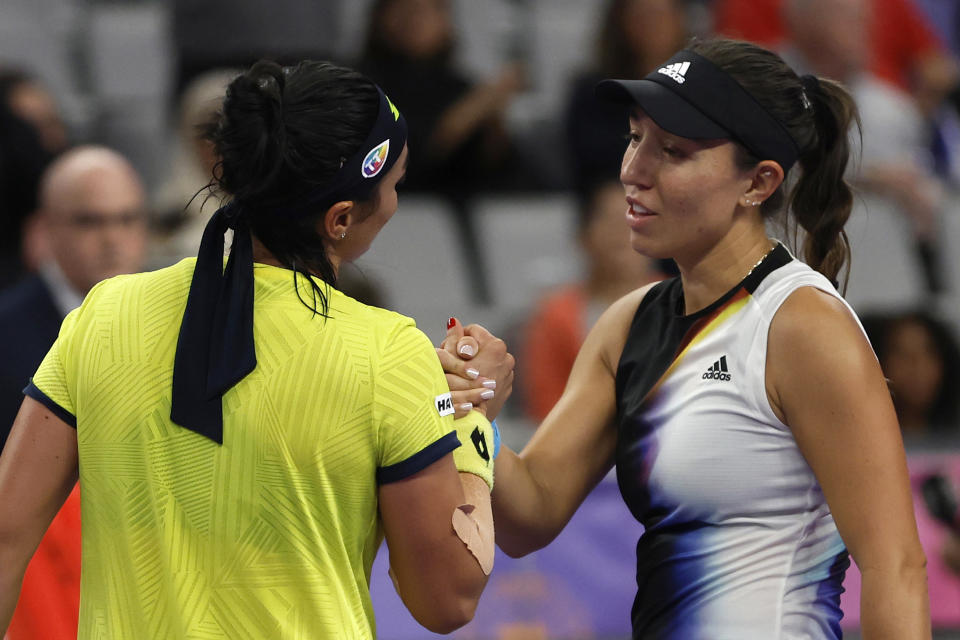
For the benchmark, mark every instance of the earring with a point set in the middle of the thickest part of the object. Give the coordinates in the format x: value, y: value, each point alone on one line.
x: 343, y: 235
x: 754, y: 203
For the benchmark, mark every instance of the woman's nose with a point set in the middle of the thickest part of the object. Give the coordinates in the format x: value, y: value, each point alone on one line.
x: 636, y: 168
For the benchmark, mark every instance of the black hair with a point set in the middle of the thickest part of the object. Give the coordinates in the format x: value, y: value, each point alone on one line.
x: 282, y: 132
x: 818, y: 118
x: 945, y: 410
x: 23, y: 160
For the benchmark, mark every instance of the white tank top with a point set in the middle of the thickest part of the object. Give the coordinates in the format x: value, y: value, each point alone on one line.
x: 739, y: 542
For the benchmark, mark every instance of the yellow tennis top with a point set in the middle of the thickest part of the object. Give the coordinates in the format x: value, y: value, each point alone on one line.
x: 273, y: 533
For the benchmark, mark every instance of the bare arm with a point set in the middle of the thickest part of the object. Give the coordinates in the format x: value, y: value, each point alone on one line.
x: 437, y: 577
x: 538, y: 491
x: 478, y: 107
x: 825, y: 383
x: 38, y: 469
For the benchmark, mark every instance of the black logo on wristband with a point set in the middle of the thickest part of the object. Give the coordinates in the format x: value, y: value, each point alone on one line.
x: 480, y: 443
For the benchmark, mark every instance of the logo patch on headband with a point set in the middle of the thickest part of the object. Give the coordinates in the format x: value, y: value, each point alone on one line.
x: 375, y: 160
x: 675, y: 71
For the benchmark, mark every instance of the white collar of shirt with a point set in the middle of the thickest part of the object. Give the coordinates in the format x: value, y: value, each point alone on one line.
x: 65, y: 297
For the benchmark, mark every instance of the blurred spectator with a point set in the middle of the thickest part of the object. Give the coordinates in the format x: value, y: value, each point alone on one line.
x: 940, y: 500
x: 950, y: 553
x: 635, y: 37
x: 91, y: 215
x: 458, y: 141
x: 211, y: 34
x: 902, y: 48
x: 31, y: 102
x: 921, y: 360
x: 830, y: 38
x: 558, y: 326
x: 183, y: 205
x: 23, y: 158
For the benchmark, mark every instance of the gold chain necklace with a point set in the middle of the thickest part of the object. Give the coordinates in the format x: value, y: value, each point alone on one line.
x: 762, y: 258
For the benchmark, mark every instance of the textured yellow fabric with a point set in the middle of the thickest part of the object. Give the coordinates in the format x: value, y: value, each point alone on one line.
x: 272, y: 534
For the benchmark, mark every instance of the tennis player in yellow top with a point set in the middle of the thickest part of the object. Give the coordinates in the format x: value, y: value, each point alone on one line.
x: 246, y: 435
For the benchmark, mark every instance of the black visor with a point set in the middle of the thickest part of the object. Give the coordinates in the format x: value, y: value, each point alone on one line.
x: 691, y: 97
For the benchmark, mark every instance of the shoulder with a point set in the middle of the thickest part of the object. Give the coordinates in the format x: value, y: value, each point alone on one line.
x: 376, y: 317
x: 118, y: 287
x: 153, y: 294
x: 609, y: 334
x: 810, y: 314
x: 815, y: 338
x: 812, y: 322
x: 385, y: 329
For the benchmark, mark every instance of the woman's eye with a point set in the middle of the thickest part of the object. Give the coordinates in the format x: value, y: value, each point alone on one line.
x: 673, y: 152
x: 632, y: 138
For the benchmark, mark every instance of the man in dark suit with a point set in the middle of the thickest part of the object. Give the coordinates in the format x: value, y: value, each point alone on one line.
x: 90, y: 225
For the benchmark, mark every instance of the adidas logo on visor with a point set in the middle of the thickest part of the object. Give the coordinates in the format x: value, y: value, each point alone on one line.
x: 675, y: 71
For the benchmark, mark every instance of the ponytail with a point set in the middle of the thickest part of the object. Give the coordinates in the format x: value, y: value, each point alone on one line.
x: 821, y: 199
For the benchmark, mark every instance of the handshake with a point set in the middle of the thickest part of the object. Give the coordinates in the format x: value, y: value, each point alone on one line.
x: 479, y: 372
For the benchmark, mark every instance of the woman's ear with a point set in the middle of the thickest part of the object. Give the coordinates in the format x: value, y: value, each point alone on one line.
x: 767, y: 178
x: 338, y: 219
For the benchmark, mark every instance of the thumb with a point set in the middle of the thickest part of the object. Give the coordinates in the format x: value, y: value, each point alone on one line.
x: 454, y: 334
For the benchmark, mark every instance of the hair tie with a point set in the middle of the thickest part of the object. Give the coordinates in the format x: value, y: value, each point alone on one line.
x: 809, y: 86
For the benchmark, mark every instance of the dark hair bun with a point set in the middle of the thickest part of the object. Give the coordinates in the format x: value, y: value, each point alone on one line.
x: 283, y: 130
x: 251, y: 136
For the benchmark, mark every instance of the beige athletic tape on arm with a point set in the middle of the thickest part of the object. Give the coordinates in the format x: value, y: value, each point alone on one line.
x: 473, y: 521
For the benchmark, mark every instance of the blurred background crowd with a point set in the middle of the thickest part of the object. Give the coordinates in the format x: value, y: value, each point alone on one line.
x: 512, y: 214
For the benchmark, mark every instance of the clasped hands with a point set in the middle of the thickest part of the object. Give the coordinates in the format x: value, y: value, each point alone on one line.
x: 478, y: 367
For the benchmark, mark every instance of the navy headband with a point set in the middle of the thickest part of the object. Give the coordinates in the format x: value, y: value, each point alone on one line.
x: 691, y: 97
x: 215, y: 349
x: 362, y: 171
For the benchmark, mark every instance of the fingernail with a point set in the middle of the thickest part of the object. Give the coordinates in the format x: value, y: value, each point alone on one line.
x: 486, y: 394
x: 474, y: 374
x: 490, y: 384
x: 466, y: 406
x: 450, y: 322
x: 466, y: 350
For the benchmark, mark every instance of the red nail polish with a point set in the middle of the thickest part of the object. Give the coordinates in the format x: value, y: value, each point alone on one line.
x: 451, y: 322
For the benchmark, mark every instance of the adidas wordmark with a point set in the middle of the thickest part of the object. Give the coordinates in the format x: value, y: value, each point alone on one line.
x: 676, y: 71
x: 718, y: 371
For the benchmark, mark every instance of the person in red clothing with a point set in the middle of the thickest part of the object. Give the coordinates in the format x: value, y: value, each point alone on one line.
x: 904, y: 50
x: 560, y: 322
x: 49, y: 604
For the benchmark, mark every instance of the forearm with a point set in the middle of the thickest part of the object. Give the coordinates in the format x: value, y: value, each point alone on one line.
x: 520, y: 507
x: 894, y: 604
x: 463, y: 118
x: 12, y: 568
x: 441, y: 583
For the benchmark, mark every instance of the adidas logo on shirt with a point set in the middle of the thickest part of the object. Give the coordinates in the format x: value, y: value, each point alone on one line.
x: 718, y: 371
x: 675, y: 71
